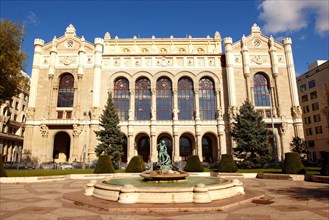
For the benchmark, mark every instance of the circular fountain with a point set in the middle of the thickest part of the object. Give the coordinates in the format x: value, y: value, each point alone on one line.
x: 163, y: 185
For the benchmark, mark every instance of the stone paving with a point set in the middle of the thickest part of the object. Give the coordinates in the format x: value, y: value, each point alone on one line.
x: 287, y: 199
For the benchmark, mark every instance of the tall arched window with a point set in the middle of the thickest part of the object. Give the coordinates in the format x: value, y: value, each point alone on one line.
x: 185, y: 147
x: 121, y: 98
x: 143, y: 99
x: 261, y: 92
x: 185, y: 99
x: 66, y: 91
x: 164, y: 99
x: 207, y: 99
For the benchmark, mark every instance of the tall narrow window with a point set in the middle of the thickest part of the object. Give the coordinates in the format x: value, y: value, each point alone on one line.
x: 261, y: 92
x: 164, y: 99
x: 185, y: 99
x: 207, y: 99
x: 143, y: 99
x: 121, y: 98
x: 66, y: 91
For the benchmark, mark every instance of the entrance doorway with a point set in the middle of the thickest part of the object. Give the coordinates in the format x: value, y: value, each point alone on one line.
x: 62, y: 144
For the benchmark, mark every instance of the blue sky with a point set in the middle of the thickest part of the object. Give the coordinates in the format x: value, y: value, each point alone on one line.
x: 305, y: 21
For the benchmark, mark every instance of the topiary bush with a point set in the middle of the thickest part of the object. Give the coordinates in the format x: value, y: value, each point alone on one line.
x: 193, y: 164
x: 292, y: 164
x: 2, y: 170
x: 227, y: 164
x: 104, y: 165
x: 325, y: 167
x: 136, y: 165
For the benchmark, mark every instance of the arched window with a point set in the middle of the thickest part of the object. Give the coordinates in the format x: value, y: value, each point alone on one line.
x: 121, y: 98
x: 185, y: 147
x: 164, y: 99
x: 207, y: 99
x: 185, y: 99
x: 143, y: 99
x: 66, y: 91
x: 261, y: 92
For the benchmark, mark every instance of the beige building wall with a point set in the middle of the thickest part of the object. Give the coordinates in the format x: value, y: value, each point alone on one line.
x: 96, y: 67
x: 312, y: 87
x: 12, y: 125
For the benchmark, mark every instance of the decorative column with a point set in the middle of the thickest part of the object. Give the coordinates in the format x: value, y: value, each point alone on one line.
x: 97, y: 71
x: 82, y: 52
x: 75, y: 148
x: 230, y: 75
x: 38, y: 44
x: 131, y: 113
x: 246, y: 65
x: 176, y: 156
x: 275, y: 72
x: 153, y: 104
x: 295, y: 109
x: 153, y: 140
x: 44, y: 154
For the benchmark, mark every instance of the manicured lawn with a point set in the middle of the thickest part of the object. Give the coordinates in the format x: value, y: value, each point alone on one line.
x: 25, y: 173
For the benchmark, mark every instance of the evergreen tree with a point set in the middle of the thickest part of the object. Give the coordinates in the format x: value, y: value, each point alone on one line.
x: 110, y: 137
x: 298, y: 145
x: 251, y: 136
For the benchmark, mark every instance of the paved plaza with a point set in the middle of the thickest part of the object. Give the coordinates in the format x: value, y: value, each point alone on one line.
x: 279, y: 199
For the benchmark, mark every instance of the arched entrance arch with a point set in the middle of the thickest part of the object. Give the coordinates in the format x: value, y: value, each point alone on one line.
x: 209, y: 148
x: 143, y: 146
x: 168, y: 140
x: 124, y: 148
x: 62, y: 143
x: 185, y: 146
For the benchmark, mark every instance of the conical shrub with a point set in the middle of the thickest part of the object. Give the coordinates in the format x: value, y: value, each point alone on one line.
x: 136, y: 165
x: 193, y: 164
x: 292, y: 164
x: 104, y: 165
x: 227, y: 164
x: 2, y: 169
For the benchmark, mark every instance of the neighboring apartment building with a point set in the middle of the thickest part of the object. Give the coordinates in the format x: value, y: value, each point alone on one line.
x: 312, y: 87
x: 12, y: 123
x: 184, y: 91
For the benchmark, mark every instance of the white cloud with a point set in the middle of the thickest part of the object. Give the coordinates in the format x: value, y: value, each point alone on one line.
x: 32, y: 18
x: 294, y: 15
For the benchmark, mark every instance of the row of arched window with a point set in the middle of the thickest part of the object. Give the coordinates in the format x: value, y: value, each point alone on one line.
x: 164, y: 97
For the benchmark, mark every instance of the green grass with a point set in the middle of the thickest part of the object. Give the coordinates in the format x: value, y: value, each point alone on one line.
x: 27, y: 173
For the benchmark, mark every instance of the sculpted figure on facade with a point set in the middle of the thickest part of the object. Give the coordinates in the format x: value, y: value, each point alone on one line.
x: 94, y: 111
x: 76, y: 130
x: 231, y: 112
x: 219, y: 113
x: 44, y: 130
x: 30, y: 113
x: 296, y: 112
x: 175, y: 113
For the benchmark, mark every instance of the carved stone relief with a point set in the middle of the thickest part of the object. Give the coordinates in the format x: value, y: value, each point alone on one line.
x: 30, y: 113
x: 45, y: 59
x: 67, y: 60
x: 296, y: 112
x: 237, y: 59
x: 259, y: 59
x: 44, y: 130
x: 77, y: 130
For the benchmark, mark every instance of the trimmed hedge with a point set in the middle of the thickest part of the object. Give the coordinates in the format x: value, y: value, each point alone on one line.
x: 193, y: 164
x: 104, y: 165
x: 136, y: 165
x: 292, y: 164
x: 227, y: 164
x: 2, y: 169
x: 325, y: 167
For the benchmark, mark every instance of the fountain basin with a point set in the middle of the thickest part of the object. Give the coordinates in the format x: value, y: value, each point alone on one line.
x: 126, y: 193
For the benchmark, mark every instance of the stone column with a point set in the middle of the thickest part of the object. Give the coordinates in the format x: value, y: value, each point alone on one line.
x: 97, y: 71
x: 275, y: 71
x: 295, y: 109
x: 197, y: 105
x: 131, y: 143
x: 230, y: 72
x: 153, y: 104
x: 153, y: 147
x: 38, y: 44
x: 176, y: 147
x: 246, y: 65
x: 75, y: 148
x: 44, y: 132
x: 132, y: 105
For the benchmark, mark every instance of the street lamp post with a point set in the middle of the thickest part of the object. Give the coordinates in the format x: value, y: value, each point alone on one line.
x: 274, y: 136
x: 84, y: 143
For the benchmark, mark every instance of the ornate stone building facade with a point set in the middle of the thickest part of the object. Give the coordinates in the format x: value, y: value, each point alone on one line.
x: 181, y: 90
x: 12, y: 123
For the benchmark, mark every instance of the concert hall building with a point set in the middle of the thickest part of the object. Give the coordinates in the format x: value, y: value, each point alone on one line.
x: 185, y: 91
